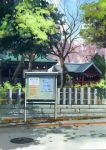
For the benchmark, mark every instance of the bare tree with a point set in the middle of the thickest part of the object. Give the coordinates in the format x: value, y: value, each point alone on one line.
x: 69, y: 25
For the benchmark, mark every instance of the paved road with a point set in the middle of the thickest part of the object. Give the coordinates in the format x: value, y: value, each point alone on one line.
x: 56, y: 138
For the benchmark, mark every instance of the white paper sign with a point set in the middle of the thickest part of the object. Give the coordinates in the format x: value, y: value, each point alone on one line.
x: 47, y: 85
x: 33, y: 81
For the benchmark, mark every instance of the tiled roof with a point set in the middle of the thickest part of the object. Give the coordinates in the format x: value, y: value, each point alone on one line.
x: 77, y: 68
x: 72, y: 67
x: 83, y: 67
x: 10, y: 57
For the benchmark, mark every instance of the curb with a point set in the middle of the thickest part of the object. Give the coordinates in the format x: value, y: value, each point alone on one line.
x: 51, y: 124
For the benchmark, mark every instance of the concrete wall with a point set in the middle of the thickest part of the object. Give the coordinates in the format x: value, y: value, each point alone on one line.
x: 70, y: 110
x: 48, y: 110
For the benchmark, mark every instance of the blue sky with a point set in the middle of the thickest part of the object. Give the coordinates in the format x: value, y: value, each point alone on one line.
x: 71, y: 4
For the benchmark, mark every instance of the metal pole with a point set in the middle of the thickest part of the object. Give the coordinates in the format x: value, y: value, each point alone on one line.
x: 25, y: 110
x: 25, y: 117
x: 10, y: 96
x: 19, y: 93
x: 0, y: 72
x: 55, y: 108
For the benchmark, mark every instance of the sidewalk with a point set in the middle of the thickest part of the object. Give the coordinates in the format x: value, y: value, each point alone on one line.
x: 69, y: 137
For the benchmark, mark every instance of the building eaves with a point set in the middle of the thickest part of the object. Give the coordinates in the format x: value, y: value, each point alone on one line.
x: 11, y: 57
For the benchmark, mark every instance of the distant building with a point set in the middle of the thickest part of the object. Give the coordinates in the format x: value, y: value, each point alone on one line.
x: 9, y: 62
x: 80, y: 73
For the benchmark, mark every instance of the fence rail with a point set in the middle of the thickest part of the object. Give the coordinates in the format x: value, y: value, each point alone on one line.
x: 70, y: 101
x: 10, y: 96
x: 65, y: 96
x: 79, y: 96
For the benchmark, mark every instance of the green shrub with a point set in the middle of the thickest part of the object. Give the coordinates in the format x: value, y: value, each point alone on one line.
x: 101, y: 84
x: 17, y: 86
x: 3, y: 90
x: 23, y: 89
x: 7, y: 85
x: 77, y: 85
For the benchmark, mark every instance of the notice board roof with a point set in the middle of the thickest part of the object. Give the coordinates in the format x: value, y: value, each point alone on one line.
x: 40, y: 73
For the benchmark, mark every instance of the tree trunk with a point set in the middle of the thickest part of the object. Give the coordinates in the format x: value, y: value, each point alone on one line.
x: 30, y: 62
x: 30, y: 66
x: 18, y: 68
x: 62, y: 73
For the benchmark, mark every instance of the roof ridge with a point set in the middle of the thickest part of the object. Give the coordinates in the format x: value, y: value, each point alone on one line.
x: 76, y: 67
x: 83, y: 65
x: 77, y: 63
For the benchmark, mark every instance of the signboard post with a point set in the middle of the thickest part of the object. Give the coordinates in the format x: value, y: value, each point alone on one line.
x: 41, y: 88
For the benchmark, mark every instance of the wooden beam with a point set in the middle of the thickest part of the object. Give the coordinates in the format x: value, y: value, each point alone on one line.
x: 82, y: 79
x: 0, y: 72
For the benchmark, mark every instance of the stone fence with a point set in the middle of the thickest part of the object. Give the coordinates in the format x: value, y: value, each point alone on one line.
x: 70, y: 102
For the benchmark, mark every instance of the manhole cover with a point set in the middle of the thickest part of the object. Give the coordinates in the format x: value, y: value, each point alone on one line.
x: 21, y: 140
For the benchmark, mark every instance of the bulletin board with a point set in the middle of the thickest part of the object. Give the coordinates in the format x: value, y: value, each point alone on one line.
x: 41, y: 86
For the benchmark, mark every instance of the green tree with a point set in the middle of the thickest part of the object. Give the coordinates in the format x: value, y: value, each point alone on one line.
x: 94, y: 22
x: 99, y: 61
x: 26, y: 30
x: 6, y: 7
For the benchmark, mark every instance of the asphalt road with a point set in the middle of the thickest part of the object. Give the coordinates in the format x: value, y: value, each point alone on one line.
x: 55, y: 138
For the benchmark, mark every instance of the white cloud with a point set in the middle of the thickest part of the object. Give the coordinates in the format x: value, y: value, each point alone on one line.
x: 55, y: 2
